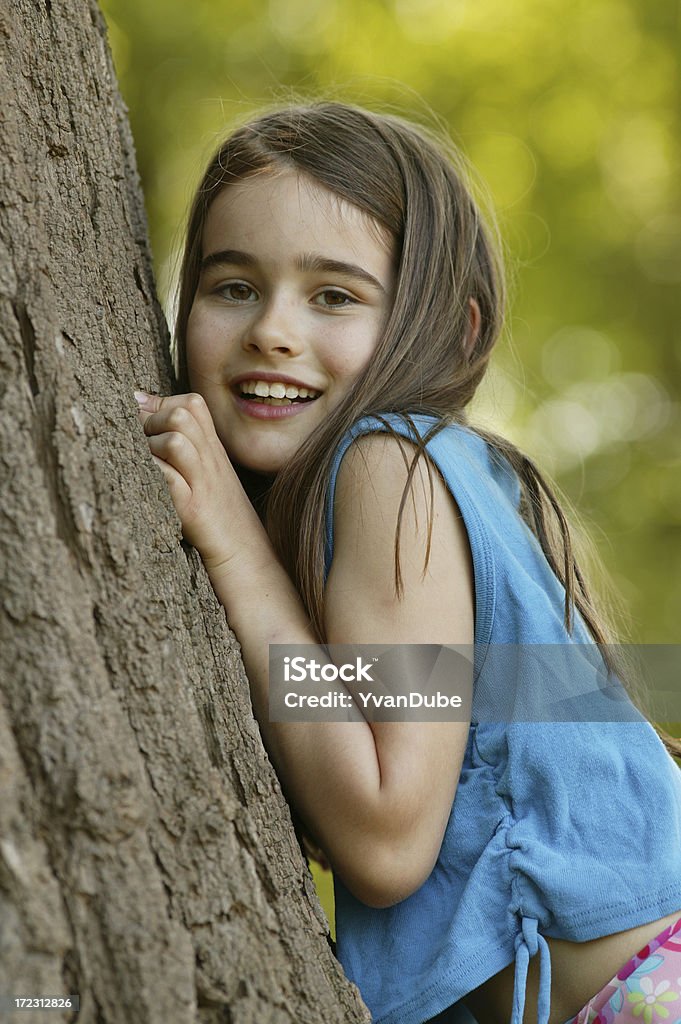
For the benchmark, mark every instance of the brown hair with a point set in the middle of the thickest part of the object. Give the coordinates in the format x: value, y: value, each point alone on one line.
x: 414, y: 186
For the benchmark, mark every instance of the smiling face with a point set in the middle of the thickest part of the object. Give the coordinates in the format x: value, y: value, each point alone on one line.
x: 296, y: 285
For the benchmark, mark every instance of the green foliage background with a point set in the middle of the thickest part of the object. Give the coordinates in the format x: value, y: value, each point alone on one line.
x: 570, y: 112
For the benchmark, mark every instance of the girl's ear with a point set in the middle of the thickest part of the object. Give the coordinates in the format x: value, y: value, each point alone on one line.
x: 474, y: 321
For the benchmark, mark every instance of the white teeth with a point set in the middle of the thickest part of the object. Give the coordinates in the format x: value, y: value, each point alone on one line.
x: 277, y: 389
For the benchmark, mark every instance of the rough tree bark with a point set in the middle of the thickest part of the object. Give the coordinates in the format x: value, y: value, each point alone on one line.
x: 147, y: 857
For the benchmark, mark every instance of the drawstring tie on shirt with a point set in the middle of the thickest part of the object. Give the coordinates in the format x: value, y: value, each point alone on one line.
x: 527, y: 942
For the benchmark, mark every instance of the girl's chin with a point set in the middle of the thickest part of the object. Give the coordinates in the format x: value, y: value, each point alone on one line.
x: 261, y: 459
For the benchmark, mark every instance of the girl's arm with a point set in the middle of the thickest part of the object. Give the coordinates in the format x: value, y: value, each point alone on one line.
x: 376, y: 796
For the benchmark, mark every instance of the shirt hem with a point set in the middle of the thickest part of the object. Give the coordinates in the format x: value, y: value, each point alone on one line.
x: 448, y: 989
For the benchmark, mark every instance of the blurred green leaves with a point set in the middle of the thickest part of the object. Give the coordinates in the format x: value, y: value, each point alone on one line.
x: 570, y: 112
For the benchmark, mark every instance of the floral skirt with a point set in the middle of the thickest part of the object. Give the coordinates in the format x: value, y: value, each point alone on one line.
x: 647, y: 990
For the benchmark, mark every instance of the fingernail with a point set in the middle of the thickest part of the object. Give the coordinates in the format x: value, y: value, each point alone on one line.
x: 143, y: 399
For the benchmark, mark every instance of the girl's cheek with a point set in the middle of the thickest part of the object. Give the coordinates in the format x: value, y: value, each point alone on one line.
x: 204, y: 337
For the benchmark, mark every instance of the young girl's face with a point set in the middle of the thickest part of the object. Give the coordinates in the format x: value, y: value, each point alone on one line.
x: 295, y: 287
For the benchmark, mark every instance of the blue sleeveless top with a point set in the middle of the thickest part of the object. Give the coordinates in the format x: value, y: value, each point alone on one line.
x: 559, y: 828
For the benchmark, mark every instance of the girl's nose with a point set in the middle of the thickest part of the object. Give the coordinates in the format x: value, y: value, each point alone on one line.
x: 275, y: 329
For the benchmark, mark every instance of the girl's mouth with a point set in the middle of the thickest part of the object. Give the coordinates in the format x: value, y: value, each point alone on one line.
x: 276, y: 393
x: 265, y: 400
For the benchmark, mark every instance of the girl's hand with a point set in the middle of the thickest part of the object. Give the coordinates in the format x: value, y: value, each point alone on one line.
x: 203, y: 485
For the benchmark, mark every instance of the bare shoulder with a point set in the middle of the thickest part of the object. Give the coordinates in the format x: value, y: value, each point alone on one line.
x: 374, y: 471
x: 436, y: 605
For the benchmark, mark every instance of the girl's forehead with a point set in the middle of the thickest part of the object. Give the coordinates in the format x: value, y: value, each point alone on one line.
x: 286, y: 203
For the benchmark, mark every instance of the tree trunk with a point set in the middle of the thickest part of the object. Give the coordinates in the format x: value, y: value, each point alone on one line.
x: 147, y: 857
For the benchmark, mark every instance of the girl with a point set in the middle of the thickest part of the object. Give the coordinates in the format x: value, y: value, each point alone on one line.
x: 340, y: 298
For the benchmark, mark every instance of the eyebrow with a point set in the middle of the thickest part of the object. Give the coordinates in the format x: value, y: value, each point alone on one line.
x: 310, y: 261
x: 234, y: 256
x: 314, y: 261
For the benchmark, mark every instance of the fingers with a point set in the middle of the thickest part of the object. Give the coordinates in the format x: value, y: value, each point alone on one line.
x: 180, y: 432
x: 149, y: 403
x: 185, y: 415
x: 176, y: 449
x: 165, y: 405
x: 201, y: 480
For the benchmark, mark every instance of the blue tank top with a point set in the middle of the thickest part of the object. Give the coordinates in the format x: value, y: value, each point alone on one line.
x: 566, y: 829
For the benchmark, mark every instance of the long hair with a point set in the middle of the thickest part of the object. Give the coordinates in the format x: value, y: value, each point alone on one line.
x: 414, y: 186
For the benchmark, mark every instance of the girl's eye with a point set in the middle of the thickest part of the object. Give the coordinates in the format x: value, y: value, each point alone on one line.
x: 238, y: 291
x: 331, y: 298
